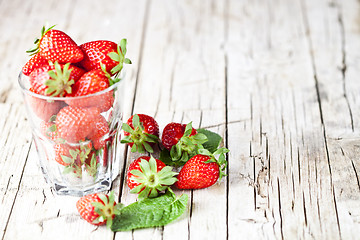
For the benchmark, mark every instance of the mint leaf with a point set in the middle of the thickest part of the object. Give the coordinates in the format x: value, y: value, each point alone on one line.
x: 213, y: 141
x: 165, y: 157
x: 150, y: 212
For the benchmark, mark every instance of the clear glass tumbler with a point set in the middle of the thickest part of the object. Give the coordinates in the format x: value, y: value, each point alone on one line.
x: 76, y: 138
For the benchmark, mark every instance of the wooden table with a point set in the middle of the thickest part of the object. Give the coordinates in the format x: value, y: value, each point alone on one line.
x: 278, y: 80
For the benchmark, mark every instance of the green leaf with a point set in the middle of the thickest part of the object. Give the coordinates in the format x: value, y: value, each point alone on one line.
x: 204, y: 151
x: 67, y: 159
x: 148, y: 147
x: 165, y: 157
x: 114, y: 56
x: 123, y: 43
x: 150, y: 212
x: 127, y: 128
x: 199, y: 138
x: 221, y: 151
x: 136, y: 121
x: 188, y: 129
x: 126, y: 139
x: 134, y: 148
x: 213, y: 141
x: 52, y: 128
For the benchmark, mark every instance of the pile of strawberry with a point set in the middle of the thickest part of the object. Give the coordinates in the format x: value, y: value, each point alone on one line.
x: 182, y: 145
x: 194, y: 150
x: 60, y: 68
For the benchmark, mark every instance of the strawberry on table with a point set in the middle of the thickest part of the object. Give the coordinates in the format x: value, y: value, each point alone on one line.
x: 75, y: 124
x: 202, y: 171
x: 182, y: 140
x: 98, y: 208
x: 108, y: 53
x: 149, y: 176
x: 92, y: 82
x: 55, y: 45
x: 141, y: 132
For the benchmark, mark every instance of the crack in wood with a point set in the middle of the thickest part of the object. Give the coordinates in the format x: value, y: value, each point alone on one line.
x: 299, y: 165
x: 319, y: 213
x: 356, y: 174
x: 344, y: 67
x: 304, y: 208
x: 16, y: 194
x: 336, y: 211
x: 280, y: 214
x: 44, y: 199
x: 317, y: 89
x: 190, y: 212
x: 7, y: 187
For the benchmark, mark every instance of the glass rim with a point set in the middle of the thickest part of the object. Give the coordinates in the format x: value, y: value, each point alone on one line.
x: 28, y: 92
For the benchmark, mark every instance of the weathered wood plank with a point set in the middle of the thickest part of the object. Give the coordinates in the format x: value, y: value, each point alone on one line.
x: 280, y: 119
x: 328, y: 42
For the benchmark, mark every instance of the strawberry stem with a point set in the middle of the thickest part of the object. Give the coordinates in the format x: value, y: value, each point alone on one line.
x: 138, y: 136
x: 187, y: 146
x: 59, y: 82
x: 151, y: 181
x: 35, y: 49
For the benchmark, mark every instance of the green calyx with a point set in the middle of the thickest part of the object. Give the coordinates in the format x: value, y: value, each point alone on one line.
x: 107, y: 209
x: 59, y: 82
x: 221, y: 160
x: 119, y: 56
x: 35, y: 49
x: 92, y: 166
x: 76, y: 160
x: 187, y: 146
x: 138, y: 136
x: 151, y: 181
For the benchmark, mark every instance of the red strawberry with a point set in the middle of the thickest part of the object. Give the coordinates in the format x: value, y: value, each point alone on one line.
x: 108, y: 53
x: 92, y: 82
x: 172, y: 133
x: 42, y: 108
x: 141, y: 131
x: 65, y: 154
x: 55, y: 45
x: 34, y: 62
x: 74, y: 124
x: 98, y: 209
x: 149, y: 176
x: 101, y: 129
x: 48, y: 129
x: 202, y: 171
x: 182, y: 141
x: 54, y: 80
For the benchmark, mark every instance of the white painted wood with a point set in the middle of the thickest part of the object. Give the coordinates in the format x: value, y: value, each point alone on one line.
x: 277, y: 79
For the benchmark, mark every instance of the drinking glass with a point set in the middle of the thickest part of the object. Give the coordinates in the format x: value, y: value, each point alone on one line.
x: 76, y: 138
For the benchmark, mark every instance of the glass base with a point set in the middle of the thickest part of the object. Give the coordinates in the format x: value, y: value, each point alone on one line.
x: 77, y: 192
